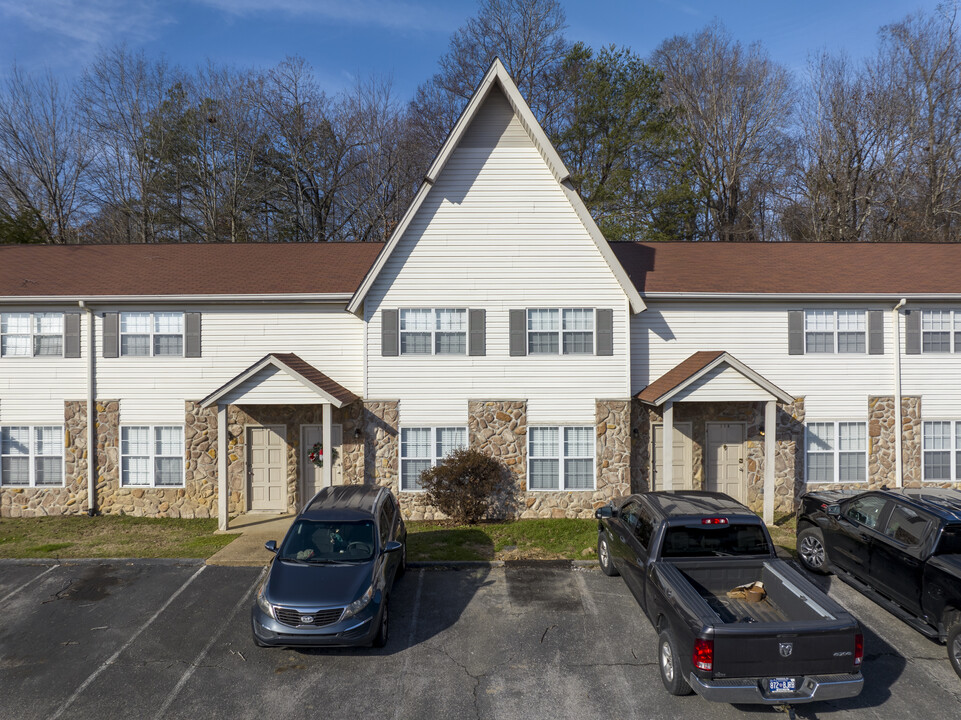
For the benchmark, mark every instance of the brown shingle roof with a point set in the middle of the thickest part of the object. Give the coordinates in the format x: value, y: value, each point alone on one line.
x: 786, y: 268
x: 677, y: 375
x: 79, y: 271
x: 315, y: 376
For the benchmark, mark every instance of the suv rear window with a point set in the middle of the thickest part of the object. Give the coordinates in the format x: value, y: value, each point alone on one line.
x: 713, y: 540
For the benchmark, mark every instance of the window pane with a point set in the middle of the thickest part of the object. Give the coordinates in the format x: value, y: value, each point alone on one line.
x: 48, y: 323
x: 15, y: 471
x: 134, y: 441
x: 419, y: 320
x: 452, y: 320
x: 168, y: 345
x: 850, y: 342
x: 542, y: 343
x: 169, y: 441
x: 578, y: 343
x: 15, y: 345
x: 135, y: 345
x: 544, y: 475
x: 851, y: 320
x: 852, y: 467
x: 578, y: 442
x: 819, y: 342
x: 15, y: 323
x: 936, y: 341
x: 543, y: 320
x: 450, y: 439
x: 578, y: 474
x: 820, y: 467
x: 415, y: 443
x: 168, y: 323
x: 451, y: 343
x: 168, y: 471
x: 936, y: 436
x: 579, y: 319
x: 48, y: 345
x: 820, y: 436
x: 935, y: 320
x: 410, y: 473
x: 543, y: 442
x: 937, y: 465
x: 852, y: 437
x: 135, y: 471
x: 138, y: 322
x: 49, y: 471
x: 48, y: 440
x: 819, y: 321
x: 14, y: 441
x: 415, y: 343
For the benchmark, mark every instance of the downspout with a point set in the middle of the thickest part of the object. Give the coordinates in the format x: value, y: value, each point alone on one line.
x: 898, y: 471
x: 91, y: 416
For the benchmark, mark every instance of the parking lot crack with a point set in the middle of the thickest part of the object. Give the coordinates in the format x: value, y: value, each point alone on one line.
x: 474, y: 678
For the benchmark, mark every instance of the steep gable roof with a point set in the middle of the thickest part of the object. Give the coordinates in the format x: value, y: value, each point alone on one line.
x: 497, y: 76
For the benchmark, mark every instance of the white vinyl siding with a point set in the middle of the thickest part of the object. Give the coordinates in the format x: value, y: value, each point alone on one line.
x: 940, y: 331
x: 941, y: 451
x: 157, y: 334
x: 423, y: 448
x: 24, y: 334
x: 560, y: 458
x: 31, y: 456
x: 835, y: 331
x: 837, y: 452
x: 152, y: 456
x: 437, y: 332
x: 568, y: 331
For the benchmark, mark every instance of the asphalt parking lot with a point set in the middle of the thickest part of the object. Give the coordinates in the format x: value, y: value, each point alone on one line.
x: 147, y: 639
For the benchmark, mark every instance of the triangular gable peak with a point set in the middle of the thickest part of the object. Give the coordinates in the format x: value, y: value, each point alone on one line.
x: 497, y: 80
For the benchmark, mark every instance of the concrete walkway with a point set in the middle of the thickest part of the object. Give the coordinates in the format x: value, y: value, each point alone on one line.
x: 254, y: 530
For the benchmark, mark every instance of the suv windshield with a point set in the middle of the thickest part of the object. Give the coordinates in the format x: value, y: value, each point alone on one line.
x: 316, y: 541
x: 706, y: 541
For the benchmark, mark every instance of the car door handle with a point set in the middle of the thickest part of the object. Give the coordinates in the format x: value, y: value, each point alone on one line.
x: 623, y: 539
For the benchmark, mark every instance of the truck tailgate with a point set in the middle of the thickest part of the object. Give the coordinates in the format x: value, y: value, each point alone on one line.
x: 765, y: 652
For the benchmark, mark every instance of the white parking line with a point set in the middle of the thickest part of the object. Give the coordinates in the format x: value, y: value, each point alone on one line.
x: 27, y: 584
x: 203, y: 653
x: 109, y: 661
x: 398, y: 709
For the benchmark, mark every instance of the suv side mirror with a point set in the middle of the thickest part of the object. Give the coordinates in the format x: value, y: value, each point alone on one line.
x: 834, y: 510
x: 271, y: 545
x: 392, y: 546
x: 605, y: 512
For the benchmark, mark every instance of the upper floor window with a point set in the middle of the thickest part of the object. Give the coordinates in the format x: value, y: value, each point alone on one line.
x: 31, y: 334
x: 152, y: 456
x: 940, y: 331
x: 569, y: 331
x: 941, y: 450
x: 837, y: 452
x: 143, y: 334
x: 31, y: 456
x: 422, y: 448
x: 437, y: 332
x: 835, y: 331
x: 560, y: 458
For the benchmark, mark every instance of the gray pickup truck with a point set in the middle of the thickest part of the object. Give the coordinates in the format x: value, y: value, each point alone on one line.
x: 693, y: 560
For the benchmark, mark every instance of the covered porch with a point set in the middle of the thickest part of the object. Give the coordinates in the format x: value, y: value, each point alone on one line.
x: 268, y: 418
x: 721, y: 417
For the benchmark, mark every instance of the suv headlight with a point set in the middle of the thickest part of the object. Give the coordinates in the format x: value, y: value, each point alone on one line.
x: 262, y: 601
x: 359, y: 604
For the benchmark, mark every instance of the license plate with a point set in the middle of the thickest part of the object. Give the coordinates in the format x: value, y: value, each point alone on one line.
x: 781, y: 685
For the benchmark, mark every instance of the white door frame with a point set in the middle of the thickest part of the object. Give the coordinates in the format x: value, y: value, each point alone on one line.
x: 743, y: 462
x: 248, y: 473
x: 304, y: 460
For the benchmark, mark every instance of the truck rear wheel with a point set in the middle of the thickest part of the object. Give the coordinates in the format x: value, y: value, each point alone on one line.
x: 811, y: 551
x: 670, y: 664
x: 604, y: 556
x: 954, y: 647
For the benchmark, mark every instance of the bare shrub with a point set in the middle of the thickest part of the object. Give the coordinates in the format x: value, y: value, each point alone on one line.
x: 469, y: 486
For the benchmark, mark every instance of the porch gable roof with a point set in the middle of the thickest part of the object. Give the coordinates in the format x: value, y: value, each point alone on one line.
x: 698, y: 366
x: 327, y: 390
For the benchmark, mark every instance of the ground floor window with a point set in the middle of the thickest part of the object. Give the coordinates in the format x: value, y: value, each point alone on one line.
x: 422, y: 448
x: 31, y: 456
x: 837, y: 452
x: 941, y: 450
x: 560, y: 458
x: 152, y: 456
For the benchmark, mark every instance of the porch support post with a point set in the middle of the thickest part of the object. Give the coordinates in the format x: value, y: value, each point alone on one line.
x: 667, y: 440
x: 328, y: 445
x: 770, y: 435
x: 222, y: 490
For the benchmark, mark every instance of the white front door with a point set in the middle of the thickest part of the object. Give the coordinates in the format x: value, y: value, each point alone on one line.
x: 267, y: 468
x: 312, y: 477
x: 724, y: 459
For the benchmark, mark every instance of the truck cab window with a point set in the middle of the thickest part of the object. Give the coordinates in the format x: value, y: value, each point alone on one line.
x: 907, y: 526
x: 866, y: 511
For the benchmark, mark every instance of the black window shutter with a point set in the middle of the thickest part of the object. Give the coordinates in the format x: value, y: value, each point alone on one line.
x: 477, y: 332
x: 192, y: 335
x: 605, y: 331
x: 389, y: 334
x: 518, y: 332
x: 875, y: 332
x: 795, y: 332
x: 71, y: 335
x: 111, y: 335
x: 912, y: 332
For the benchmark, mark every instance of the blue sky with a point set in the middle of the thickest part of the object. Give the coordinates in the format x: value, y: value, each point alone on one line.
x: 347, y: 39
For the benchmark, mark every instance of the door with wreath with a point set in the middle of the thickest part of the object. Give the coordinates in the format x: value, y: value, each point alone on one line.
x: 312, y: 475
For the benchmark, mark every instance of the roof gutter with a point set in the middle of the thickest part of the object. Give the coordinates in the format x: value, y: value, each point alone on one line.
x: 91, y: 414
x: 865, y: 297
x: 179, y: 299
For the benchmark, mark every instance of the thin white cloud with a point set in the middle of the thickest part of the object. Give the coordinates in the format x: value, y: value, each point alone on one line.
x: 90, y: 22
x: 396, y: 14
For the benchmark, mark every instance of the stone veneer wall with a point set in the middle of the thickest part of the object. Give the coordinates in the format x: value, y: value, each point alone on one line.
x: 379, y: 424
x: 641, y: 424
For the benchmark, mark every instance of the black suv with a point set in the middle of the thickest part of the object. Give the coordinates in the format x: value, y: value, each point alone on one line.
x: 901, y: 548
x: 331, y: 578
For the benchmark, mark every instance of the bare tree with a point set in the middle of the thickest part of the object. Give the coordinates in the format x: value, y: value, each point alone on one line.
x: 44, y: 154
x: 735, y: 105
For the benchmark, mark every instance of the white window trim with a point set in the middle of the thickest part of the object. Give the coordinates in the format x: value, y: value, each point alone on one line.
x: 32, y: 455
x: 152, y: 456
x: 560, y: 457
x: 836, y: 452
x: 150, y: 337
x: 433, y: 335
x: 953, y: 316
x: 560, y: 332
x: 835, y: 331
x: 952, y: 451
x: 33, y: 334
x: 434, y: 460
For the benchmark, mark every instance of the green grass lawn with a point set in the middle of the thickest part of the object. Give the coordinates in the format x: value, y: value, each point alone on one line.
x: 110, y: 536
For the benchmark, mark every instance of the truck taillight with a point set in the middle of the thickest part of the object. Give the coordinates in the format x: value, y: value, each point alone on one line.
x: 704, y: 654
x: 858, y: 649
x: 714, y: 521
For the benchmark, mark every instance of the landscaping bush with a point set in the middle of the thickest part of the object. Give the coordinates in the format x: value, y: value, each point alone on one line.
x: 469, y: 486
